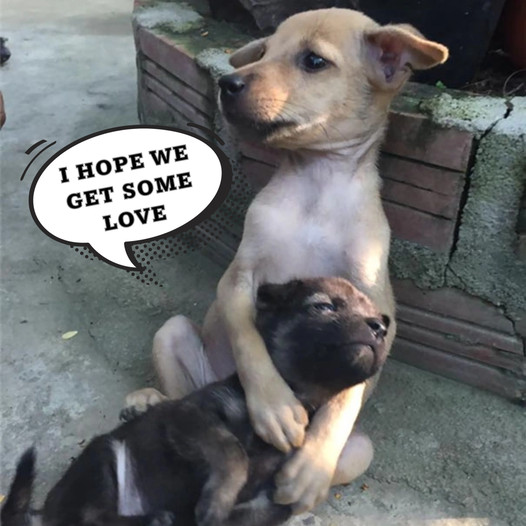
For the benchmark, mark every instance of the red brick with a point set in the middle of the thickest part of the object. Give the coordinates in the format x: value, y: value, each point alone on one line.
x: 417, y: 137
x: 461, y: 369
x: 173, y: 58
x: 439, y: 180
x: 474, y: 351
x: 155, y: 109
x: 462, y: 330
x: 453, y: 303
x: 419, y: 227
x: 175, y: 85
x: 424, y: 200
x: 177, y: 104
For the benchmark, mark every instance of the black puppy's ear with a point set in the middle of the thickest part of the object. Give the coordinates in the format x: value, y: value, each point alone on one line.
x: 273, y: 296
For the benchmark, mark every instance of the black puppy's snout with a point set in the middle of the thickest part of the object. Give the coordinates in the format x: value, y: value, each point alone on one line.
x: 231, y: 85
x: 378, y: 326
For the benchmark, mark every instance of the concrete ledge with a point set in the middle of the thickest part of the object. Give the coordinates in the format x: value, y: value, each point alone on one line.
x: 454, y: 170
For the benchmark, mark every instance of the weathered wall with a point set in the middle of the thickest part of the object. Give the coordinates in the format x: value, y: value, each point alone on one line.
x: 454, y: 172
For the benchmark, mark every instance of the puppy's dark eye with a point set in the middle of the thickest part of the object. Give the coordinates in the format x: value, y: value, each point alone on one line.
x: 312, y: 62
x: 324, y: 307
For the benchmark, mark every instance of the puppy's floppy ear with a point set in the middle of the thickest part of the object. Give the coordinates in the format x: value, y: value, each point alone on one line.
x: 393, y: 51
x: 271, y: 296
x: 249, y: 53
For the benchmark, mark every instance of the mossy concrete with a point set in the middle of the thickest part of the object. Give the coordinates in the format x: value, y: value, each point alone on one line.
x: 425, y: 267
x: 171, y: 16
x: 180, y: 22
x: 484, y: 261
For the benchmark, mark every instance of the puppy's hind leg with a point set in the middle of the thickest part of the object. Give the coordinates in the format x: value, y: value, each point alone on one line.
x: 355, y: 458
x: 180, y: 362
x: 228, y: 468
x: 179, y: 358
x: 260, y: 511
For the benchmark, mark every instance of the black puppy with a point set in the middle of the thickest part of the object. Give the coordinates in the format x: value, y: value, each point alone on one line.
x: 197, y: 461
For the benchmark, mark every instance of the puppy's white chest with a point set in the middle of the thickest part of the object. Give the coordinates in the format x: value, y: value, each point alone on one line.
x: 313, y: 234
x: 295, y: 243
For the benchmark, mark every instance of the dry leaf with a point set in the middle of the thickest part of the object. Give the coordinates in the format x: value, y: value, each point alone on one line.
x: 70, y: 334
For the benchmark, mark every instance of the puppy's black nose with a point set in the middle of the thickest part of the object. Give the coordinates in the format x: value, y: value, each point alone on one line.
x: 379, y: 327
x: 231, y: 85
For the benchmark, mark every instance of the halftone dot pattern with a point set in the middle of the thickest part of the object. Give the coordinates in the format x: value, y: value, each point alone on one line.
x: 224, y: 226
x: 85, y: 252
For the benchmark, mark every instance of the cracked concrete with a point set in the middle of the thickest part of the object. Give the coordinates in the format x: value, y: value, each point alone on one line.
x: 446, y: 454
x: 499, y: 151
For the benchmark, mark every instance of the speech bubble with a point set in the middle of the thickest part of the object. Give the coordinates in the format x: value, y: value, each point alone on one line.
x: 128, y: 185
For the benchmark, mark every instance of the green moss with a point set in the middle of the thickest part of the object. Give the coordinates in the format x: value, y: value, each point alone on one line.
x: 182, y: 24
x: 472, y: 113
x: 420, y: 264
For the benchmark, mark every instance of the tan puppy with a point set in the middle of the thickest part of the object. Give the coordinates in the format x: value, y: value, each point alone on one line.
x: 320, y: 88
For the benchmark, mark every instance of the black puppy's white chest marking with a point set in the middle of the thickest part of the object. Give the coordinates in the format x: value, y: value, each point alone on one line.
x: 129, y: 497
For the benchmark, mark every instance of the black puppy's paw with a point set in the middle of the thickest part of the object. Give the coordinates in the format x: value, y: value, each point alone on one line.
x: 163, y: 518
x: 208, y: 513
x: 131, y: 413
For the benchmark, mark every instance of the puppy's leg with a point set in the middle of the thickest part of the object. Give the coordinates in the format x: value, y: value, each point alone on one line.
x: 277, y: 416
x: 305, y: 479
x: 260, y: 511
x: 228, y: 464
x: 139, y: 401
x: 180, y: 362
x: 199, y: 434
x: 354, y: 460
x: 179, y: 358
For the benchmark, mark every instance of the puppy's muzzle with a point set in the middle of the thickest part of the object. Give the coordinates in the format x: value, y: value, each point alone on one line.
x: 231, y: 87
x: 235, y: 103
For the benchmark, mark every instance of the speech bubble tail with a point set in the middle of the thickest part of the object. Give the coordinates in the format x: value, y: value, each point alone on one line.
x: 118, y: 255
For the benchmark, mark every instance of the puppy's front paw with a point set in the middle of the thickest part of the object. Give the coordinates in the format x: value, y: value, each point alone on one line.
x: 277, y: 416
x: 305, y: 479
x: 163, y: 518
x: 129, y: 413
x: 139, y: 401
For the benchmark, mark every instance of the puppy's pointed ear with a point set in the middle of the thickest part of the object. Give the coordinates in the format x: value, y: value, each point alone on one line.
x: 393, y: 51
x: 271, y: 296
x: 252, y: 52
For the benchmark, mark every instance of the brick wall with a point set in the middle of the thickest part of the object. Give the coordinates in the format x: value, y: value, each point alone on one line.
x: 424, y: 167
